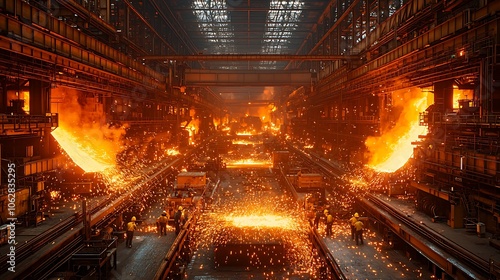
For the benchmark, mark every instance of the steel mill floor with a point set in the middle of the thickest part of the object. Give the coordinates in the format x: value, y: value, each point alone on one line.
x: 148, y: 249
x: 369, y: 261
x: 484, y: 247
x: 56, y: 212
x: 373, y: 260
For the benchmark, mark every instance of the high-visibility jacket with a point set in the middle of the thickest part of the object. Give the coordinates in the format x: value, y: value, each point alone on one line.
x: 163, y: 219
x: 131, y: 226
x: 329, y: 219
x: 359, y: 225
x: 353, y: 220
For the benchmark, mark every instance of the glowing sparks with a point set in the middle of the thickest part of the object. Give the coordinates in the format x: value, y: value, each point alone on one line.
x: 265, y: 230
x: 172, y: 152
x: 261, y: 221
x: 87, y: 157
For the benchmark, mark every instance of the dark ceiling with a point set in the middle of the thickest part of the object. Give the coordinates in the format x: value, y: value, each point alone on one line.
x: 248, y: 27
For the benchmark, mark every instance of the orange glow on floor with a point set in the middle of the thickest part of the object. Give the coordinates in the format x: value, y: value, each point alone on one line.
x: 261, y: 221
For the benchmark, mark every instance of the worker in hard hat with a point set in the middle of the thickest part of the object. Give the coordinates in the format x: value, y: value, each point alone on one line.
x: 359, y: 232
x: 178, y: 220
x: 162, y: 223
x: 184, y: 216
x: 329, y: 223
x: 352, y: 221
x: 325, y: 214
x: 131, y: 227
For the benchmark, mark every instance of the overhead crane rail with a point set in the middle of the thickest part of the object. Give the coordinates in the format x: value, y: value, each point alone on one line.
x: 249, y: 57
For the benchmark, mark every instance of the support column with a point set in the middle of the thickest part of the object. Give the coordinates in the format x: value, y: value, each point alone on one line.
x: 39, y: 97
x: 3, y: 95
x: 443, y: 96
x: 457, y: 215
x: 39, y: 105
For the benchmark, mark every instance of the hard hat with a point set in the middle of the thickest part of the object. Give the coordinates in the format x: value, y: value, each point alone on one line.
x: 356, y: 215
x: 326, y: 211
x: 133, y: 219
x: 180, y: 208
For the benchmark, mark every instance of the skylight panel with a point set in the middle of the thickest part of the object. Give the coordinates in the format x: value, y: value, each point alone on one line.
x: 282, y: 21
x: 213, y: 22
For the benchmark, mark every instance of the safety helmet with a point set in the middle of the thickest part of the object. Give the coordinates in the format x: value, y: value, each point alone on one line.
x: 180, y: 208
x: 356, y: 215
x: 326, y: 211
x: 133, y: 219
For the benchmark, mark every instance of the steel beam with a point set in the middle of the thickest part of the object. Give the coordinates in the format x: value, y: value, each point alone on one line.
x: 249, y: 57
x: 248, y: 103
x: 196, y: 78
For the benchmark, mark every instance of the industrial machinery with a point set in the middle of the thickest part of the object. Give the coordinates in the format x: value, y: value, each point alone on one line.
x: 187, y: 191
x: 96, y: 257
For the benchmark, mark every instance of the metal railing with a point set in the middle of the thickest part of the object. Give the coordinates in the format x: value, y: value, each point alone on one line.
x: 427, y: 118
x: 28, y: 122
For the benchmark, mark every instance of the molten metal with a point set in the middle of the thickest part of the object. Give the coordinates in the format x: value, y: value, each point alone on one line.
x: 261, y: 221
x: 393, y: 148
x: 85, y: 156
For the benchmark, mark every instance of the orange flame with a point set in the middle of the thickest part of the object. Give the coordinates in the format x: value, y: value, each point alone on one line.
x: 82, y: 154
x: 83, y: 134
x: 393, y: 148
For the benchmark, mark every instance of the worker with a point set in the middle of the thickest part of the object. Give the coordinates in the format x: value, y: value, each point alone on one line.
x: 325, y: 212
x: 352, y: 221
x: 177, y: 220
x: 131, y: 227
x: 359, y: 232
x: 184, y: 216
x: 329, y: 223
x: 317, y: 218
x: 162, y: 221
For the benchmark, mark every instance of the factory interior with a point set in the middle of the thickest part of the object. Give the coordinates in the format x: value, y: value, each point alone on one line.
x: 259, y: 129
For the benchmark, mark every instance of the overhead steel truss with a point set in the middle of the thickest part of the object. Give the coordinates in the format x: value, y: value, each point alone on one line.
x: 249, y: 57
